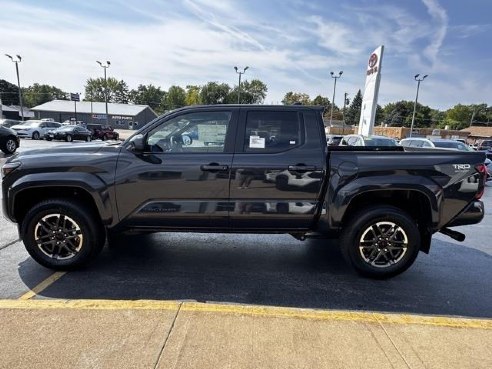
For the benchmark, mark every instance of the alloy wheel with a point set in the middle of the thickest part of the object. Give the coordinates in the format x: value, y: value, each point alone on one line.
x: 58, y: 236
x: 383, y: 244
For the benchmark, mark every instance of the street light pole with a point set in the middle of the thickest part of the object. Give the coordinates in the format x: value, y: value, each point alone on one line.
x: 17, y: 61
x: 334, y: 88
x: 105, y: 66
x: 416, y: 77
x: 239, y: 87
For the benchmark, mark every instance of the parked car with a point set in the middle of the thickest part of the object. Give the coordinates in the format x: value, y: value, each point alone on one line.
x: 9, y: 122
x: 435, y: 143
x: 35, y: 129
x: 333, y: 140
x: 485, y: 145
x: 69, y: 133
x: 102, y: 132
x: 488, y: 165
x: 373, y: 140
x: 9, y: 140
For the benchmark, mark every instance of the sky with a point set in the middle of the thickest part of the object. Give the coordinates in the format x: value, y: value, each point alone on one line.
x: 291, y: 45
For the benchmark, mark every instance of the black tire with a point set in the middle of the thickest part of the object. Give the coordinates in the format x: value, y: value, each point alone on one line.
x: 105, y: 138
x: 71, y: 232
x: 88, y: 138
x: 9, y: 145
x: 375, y: 235
x: 68, y: 138
x: 35, y: 135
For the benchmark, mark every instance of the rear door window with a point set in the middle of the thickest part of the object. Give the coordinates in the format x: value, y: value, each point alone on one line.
x: 272, y: 131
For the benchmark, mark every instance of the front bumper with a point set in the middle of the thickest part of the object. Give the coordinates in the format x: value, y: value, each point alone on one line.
x: 472, y: 214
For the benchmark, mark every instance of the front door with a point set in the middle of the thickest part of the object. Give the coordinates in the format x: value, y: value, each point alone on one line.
x: 181, y: 180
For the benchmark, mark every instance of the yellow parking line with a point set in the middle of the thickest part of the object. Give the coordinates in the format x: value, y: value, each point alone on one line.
x: 42, y: 286
x: 264, y: 311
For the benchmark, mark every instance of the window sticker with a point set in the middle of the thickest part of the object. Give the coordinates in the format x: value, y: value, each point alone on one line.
x: 256, y: 142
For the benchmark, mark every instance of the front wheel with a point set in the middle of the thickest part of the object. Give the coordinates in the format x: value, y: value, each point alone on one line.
x: 380, y: 242
x: 88, y: 138
x: 61, y: 234
x: 68, y: 138
x: 35, y: 135
x: 9, y: 146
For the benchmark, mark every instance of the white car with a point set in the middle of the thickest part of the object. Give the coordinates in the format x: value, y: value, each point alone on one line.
x: 446, y: 144
x: 373, y: 140
x: 35, y: 129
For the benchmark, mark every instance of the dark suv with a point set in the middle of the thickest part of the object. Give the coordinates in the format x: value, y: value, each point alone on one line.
x: 102, y: 132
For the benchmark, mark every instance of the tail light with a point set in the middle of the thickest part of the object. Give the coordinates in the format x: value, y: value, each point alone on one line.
x: 482, y: 170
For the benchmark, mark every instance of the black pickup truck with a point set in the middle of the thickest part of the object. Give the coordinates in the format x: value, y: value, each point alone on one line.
x: 241, y: 169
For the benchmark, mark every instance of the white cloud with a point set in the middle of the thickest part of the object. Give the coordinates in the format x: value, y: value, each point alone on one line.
x: 197, y: 41
x: 440, y: 16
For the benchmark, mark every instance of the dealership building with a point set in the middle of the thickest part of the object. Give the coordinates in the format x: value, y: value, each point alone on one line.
x: 123, y: 116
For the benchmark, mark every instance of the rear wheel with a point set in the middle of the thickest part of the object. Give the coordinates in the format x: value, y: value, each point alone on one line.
x: 105, y: 138
x: 35, y: 135
x: 62, y: 235
x: 380, y: 242
x: 69, y: 138
x: 88, y: 138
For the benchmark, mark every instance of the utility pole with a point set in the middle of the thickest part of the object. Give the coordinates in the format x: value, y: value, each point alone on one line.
x: 334, y: 88
x: 17, y: 61
x: 345, y: 102
x: 105, y: 66
x: 416, y: 77
x: 239, y: 87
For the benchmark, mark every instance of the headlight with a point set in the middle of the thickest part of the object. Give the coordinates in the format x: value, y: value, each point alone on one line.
x: 9, y: 168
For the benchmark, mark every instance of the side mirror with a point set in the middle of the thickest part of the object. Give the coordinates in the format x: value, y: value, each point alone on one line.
x: 138, y: 142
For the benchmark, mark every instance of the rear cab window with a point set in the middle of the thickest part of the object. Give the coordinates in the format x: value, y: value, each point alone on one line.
x: 272, y: 131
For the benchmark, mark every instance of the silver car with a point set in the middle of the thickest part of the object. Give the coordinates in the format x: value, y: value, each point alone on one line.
x: 35, y: 129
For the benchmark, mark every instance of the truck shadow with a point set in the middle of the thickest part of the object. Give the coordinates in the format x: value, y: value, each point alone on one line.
x: 278, y: 271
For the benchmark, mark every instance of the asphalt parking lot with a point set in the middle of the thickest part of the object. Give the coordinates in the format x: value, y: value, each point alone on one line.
x: 263, y: 270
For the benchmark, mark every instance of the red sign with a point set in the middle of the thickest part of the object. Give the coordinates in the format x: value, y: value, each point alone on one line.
x: 373, y: 60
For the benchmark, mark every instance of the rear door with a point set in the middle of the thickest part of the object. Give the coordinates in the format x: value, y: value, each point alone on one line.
x: 277, y: 169
x: 173, y: 184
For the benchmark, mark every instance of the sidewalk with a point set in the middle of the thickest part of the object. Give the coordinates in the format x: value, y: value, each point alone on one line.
x: 160, y: 334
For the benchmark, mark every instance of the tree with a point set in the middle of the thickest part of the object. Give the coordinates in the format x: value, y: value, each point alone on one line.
x: 321, y: 101
x: 39, y: 94
x: 9, y: 93
x: 253, y: 92
x: 175, y: 98
x: 147, y: 95
x: 400, y: 114
x: 117, y: 90
x: 192, y: 95
x: 214, y: 93
x: 352, y: 116
x: 296, y: 97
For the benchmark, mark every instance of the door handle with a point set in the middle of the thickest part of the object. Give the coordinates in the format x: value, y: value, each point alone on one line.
x: 302, y: 168
x: 214, y: 167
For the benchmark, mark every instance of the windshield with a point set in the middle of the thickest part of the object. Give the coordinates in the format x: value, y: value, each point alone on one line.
x: 31, y: 124
x: 378, y: 141
x: 450, y: 145
x: 66, y: 128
